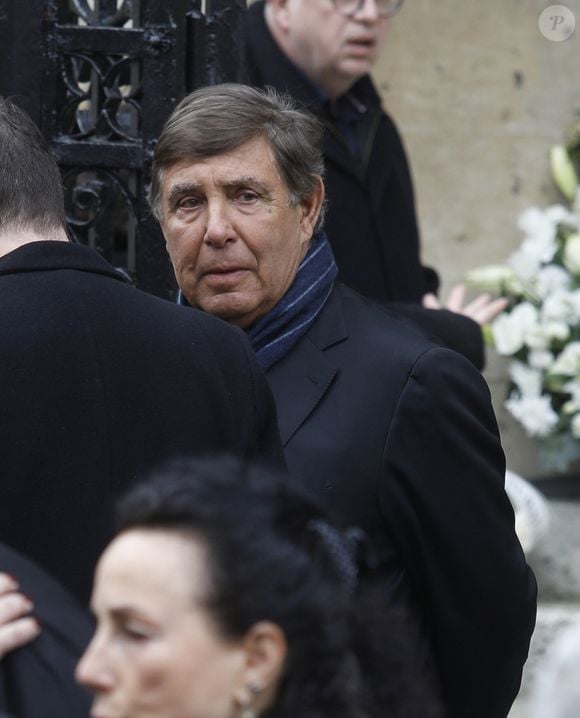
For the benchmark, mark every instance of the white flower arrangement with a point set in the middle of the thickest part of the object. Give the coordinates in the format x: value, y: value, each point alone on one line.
x: 540, y: 328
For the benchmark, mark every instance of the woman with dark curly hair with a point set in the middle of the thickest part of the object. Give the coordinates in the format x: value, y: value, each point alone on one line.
x: 228, y: 592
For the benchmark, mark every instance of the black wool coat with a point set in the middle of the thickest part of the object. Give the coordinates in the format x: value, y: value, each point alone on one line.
x: 37, y: 680
x: 397, y: 434
x: 371, y: 221
x: 99, y: 383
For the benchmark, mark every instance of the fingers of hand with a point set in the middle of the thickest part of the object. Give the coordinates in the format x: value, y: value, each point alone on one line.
x: 483, y: 309
x: 13, y: 605
x: 17, y: 633
x: 489, y: 312
x: 477, y: 305
x: 456, y: 298
x: 7, y: 583
x: 16, y: 628
x: 430, y: 301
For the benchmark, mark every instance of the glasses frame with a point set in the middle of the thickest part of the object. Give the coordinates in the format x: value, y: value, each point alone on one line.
x: 397, y: 5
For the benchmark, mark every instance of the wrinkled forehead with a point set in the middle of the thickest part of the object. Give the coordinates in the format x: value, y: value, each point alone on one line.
x: 252, y: 163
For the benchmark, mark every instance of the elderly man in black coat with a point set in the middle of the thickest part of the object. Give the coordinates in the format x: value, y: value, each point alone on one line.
x: 321, y: 52
x: 100, y: 382
x: 395, y: 433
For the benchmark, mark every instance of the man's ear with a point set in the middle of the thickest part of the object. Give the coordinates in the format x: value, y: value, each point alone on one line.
x: 276, y: 12
x: 265, y: 651
x: 311, y: 207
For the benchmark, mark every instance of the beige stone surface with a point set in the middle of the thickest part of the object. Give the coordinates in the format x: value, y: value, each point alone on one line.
x: 479, y: 96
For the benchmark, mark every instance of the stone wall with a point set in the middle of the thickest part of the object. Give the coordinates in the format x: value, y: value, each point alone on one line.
x: 480, y: 96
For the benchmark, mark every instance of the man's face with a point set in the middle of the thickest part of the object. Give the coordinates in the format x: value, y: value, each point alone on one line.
x: 233, y: 238
x: 333, y: 50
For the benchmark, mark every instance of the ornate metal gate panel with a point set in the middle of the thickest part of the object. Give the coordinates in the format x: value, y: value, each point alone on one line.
x: 100, y: 78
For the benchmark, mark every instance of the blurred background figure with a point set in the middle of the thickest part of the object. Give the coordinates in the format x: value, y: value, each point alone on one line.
x: 321, y: 52
x: 228, y: 592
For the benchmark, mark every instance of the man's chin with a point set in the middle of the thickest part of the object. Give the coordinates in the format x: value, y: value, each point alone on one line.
x: 354, y: 68
x: 231, y: 308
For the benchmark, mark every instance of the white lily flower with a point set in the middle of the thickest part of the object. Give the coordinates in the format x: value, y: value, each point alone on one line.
x: 533, y: 222
x: 557, y: 307
x: 491, y: 278
x: 558, y: 214
x: 540, y: 359
x: 535, y: 414
x: 563, y: 171
x: 574, y: 300
x: 559, y: 331
x: 542, y: 328
x: 575, y: 426
x: 525, y: 265
x: 509, y: 329
x: 527, y: 380
x: 572, y: 254
x: 568, y: 362
x: 573, y: 404
x: 508, y: 336
x: 551, y: 279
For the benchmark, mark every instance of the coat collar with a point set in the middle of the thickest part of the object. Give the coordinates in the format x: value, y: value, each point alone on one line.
x: 49, y: 255
x: 303, y: 378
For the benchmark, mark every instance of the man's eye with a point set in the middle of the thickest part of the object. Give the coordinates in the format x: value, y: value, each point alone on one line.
x: 189, y: 203
x: 247, y: 196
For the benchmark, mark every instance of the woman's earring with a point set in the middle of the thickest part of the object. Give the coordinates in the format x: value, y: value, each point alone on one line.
x: 247, y: 711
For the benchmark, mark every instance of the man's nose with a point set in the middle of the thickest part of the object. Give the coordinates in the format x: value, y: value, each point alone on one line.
x: 368, y: 11
x: 219, y: 229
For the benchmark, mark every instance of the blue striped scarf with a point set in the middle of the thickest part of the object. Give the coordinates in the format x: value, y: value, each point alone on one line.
x: 273, y: 335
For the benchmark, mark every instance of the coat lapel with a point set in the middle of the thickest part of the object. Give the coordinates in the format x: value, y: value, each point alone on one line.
x: 301, y: 380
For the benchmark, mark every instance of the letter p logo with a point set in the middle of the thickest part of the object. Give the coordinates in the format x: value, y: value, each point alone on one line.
x: 557, y: 23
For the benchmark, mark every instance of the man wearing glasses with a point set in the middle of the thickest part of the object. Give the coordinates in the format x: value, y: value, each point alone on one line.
x: 321, y: 52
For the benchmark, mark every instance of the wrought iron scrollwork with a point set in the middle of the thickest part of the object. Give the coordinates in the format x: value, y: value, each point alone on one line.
x: 91, y: 14
x: 100, y: 77
x: 100, y: 207
x: 103, y: 96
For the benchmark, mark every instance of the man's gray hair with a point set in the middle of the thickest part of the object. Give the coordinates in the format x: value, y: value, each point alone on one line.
x: 220, y: 118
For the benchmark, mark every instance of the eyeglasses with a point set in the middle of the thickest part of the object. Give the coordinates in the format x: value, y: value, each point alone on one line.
x: 385, y: 8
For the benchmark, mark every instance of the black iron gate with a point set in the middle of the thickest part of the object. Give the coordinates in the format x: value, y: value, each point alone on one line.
x: 100, y: 78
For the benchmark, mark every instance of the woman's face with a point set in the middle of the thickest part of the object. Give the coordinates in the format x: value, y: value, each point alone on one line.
x: 156, y: 652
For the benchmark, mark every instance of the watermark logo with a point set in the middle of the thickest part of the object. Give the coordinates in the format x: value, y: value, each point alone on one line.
x: 557, y: 23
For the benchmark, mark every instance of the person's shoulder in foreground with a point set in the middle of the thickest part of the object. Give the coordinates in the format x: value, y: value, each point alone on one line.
x: 100, y: 381
x: 145, y: 331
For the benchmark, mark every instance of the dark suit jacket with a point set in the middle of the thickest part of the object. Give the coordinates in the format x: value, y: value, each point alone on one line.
x: 397, y: 435
x: 37, y: 680
x: 99, y: 383
x: 371, y: 221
